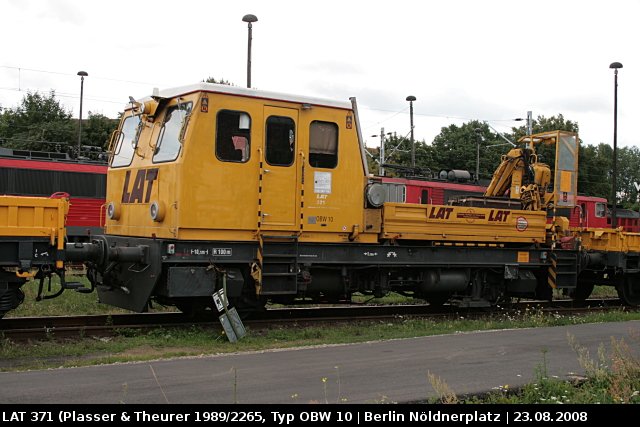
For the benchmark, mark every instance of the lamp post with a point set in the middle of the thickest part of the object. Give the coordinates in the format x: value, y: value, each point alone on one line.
x: 382, y: 149
x: 478, y: 132
x: 82, y: 75
x: 614, y: 198
x: 249, y: 19
x: 412, y: 98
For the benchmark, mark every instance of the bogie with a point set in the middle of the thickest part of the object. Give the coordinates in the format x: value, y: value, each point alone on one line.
x: 629, y: 290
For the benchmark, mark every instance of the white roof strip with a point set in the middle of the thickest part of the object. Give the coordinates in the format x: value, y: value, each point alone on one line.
x: 253, y: 93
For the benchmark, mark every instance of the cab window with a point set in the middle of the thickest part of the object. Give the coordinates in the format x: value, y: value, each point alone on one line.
x: 281, y: 140
x: 600, y: 210
x: 233, y: 136
x: 127, y: 142
x: 323, y: 144
x: 171, y: 135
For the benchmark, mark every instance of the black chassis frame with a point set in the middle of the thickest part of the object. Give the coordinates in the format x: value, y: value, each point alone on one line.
x: 130, y: 285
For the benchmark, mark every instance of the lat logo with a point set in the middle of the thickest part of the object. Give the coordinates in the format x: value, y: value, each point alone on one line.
x: 498, y: 215
x: 144, y: 178
x: 440, y: 212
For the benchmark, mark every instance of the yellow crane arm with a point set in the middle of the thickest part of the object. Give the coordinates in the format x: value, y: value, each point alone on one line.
x: 508, y: 176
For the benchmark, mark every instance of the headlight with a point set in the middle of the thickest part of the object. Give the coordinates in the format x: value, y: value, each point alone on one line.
x: 157, y: 211
x: 113, y: 211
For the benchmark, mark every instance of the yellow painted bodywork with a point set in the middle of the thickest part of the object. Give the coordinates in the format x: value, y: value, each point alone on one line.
x: 608, y: 240
x: 462, y: 224
x: 206, y: 198
x: 37, y: 217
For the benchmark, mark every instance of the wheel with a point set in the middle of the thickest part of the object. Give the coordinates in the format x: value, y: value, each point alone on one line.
x: 629, y: 290
x: 437, y: 299
x: 10, y: 299
x: 582, y: 291
x: 194, y: 307
x: 247, y: 307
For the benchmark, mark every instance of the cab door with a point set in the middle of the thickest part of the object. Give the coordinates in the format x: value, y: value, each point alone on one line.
x: 279, y: 169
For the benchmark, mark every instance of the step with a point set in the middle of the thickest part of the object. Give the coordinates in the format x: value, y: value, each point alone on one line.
x: 278, y: 274
x: 279, y: 237
x: 289, y: 256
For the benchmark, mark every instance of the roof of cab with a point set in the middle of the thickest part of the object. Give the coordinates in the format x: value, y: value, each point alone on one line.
x: 248, y: 92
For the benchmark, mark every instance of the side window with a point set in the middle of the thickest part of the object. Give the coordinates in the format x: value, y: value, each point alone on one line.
x: 600, y: 210
x: 323, y: 144
x: 233, y: 136
x: 281, y: 141
x: 424, y: 197
x: 172, y: 133
x: 127, y: 141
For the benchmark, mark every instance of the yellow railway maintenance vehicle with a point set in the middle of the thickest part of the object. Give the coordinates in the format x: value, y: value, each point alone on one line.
x: 269, y: 194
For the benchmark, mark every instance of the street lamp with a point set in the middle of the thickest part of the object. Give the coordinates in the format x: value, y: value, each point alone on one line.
x: 82, y: 75
x: 382, y: 150
x: 478, y: 132
x: 614, y: 219
x: 412, y: 98
x: 249, y: 19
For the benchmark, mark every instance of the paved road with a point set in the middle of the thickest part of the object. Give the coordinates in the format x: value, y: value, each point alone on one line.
x: 389, y: 371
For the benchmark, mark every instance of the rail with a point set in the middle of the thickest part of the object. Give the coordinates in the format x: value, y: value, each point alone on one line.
x: 34, y: 328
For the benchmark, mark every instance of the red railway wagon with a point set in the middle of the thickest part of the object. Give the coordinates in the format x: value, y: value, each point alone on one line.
x: 424, y: 191
x: 590, y: 212
x: 595, y: 212
x: 35, y: 173
x: 629, y: 220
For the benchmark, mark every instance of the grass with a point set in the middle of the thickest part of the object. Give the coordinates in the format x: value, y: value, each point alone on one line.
x: 74, y: 303
x: 69, y: 303
x: 611, y: 377
x: 135, y: 345
x: 390, y: 298
x: 604, y: 292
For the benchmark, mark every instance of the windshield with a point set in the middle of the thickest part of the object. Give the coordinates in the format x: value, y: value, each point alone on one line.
x: 125, y: 147
x: 173, y: 128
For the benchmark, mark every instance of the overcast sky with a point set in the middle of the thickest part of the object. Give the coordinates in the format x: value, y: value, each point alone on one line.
x: 462, y: 59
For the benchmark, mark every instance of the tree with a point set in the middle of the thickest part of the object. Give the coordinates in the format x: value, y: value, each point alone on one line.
x: 220, y: 82
x: 628, y: 177
x: 97, y: 130
x: 398, y: 153
x: 38, y: 123
x: 456, y: 148
x: 543, y: 124
x: 594, y: 170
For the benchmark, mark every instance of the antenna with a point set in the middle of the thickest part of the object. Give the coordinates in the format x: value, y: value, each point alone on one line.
x: 500, y: 135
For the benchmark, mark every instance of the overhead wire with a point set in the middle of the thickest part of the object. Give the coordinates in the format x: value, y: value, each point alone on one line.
x: 113, y: 101
x: 69, y: 95
x: 75, y: 75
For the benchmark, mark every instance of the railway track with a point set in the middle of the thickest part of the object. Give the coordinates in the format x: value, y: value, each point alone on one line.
x: 60, y: 327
